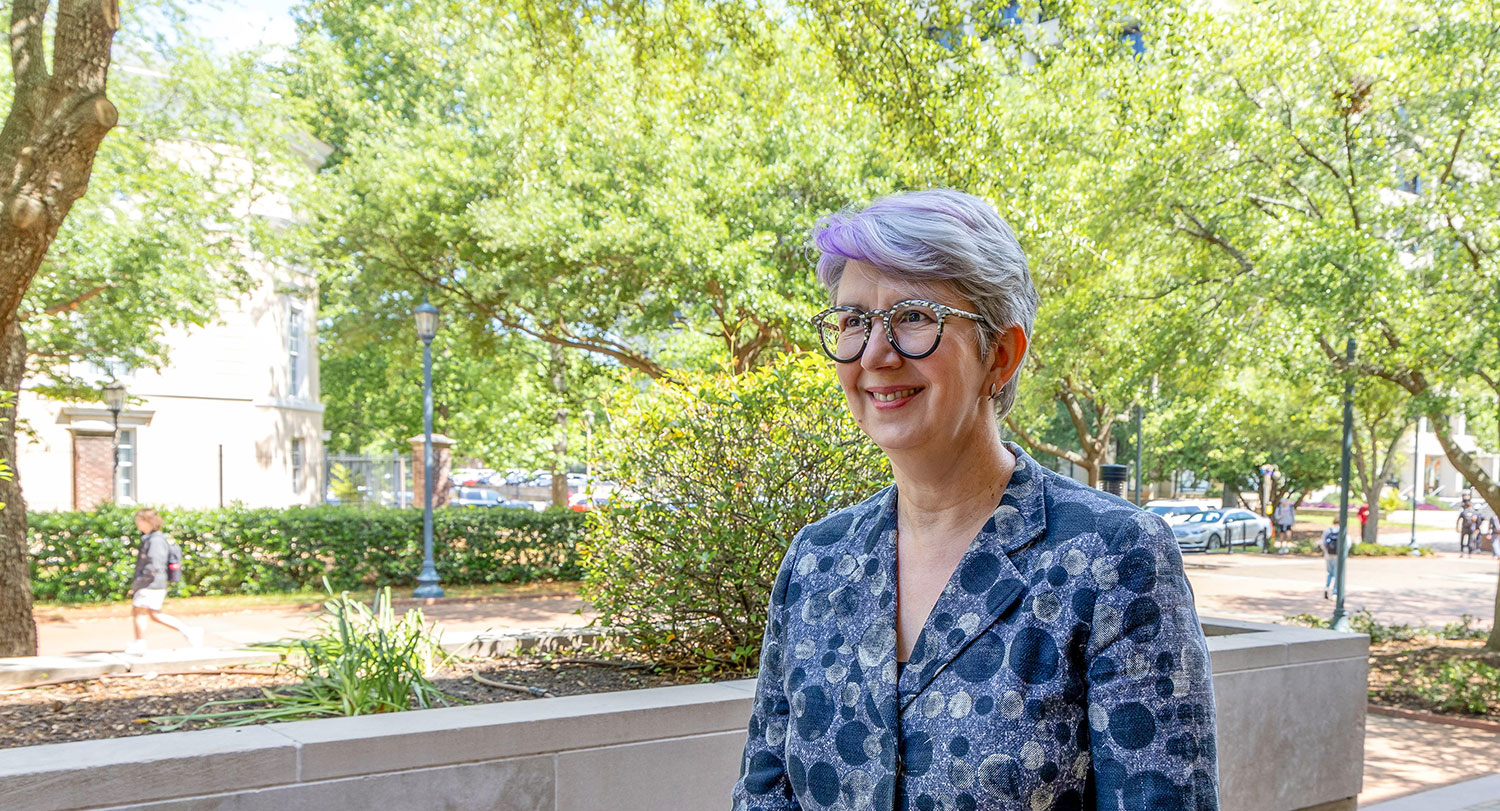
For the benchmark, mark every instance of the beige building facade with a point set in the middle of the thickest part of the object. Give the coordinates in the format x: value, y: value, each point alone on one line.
x: 233, y: 417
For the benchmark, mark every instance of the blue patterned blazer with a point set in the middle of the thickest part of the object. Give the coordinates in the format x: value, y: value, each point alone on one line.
x: 1063, y: 667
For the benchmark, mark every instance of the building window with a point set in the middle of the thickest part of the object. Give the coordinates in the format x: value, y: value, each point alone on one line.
x: 297, y: 465
x: 125, y: 473
x: 296, y: 352
x: 107, y: 370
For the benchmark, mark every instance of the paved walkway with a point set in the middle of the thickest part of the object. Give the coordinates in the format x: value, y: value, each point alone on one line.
x: 108, y: 630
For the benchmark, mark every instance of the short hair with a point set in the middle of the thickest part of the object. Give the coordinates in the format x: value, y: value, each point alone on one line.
x: 939, y: 235
x: 151, y: 517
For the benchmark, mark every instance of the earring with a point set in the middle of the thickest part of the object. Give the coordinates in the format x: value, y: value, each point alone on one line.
x: 994, y: 391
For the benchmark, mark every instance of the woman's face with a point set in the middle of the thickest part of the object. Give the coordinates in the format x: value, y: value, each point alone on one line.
x: 936, y: 402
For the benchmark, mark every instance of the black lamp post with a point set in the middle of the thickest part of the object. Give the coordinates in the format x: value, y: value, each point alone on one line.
x: 427, y: 327
x: 114, y: 399
x: 1340, y: 620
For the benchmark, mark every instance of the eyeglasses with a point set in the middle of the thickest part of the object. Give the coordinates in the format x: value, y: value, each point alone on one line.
x: 914, y: 327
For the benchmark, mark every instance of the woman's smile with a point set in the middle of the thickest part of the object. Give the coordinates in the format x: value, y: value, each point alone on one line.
x: 889, y: 397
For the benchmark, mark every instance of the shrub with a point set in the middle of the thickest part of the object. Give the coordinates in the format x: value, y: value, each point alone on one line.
x: 725, y: 470
x: 1460, y: 685
x: 90, y: 556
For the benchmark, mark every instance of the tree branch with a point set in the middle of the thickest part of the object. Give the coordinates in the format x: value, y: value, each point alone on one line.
x: 75, y: 303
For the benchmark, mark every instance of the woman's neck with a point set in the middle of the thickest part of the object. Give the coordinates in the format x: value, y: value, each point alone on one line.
x: 945, y: 498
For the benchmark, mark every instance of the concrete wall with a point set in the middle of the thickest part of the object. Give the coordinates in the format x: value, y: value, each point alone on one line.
x: 1291, y: 705
x: 227, y: 384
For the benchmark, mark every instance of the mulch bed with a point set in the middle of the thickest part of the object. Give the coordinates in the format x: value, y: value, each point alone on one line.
x: 1404, y: 675
x: 121, y: 706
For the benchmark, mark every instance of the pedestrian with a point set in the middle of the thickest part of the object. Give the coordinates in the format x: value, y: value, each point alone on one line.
x: 1364, y: 519
x: 1330, y: 547
x: 1469, y: 519
x: 918, y: 639
x: 1285, y: 515
x: 149, y: 588
x: 1492, y: 531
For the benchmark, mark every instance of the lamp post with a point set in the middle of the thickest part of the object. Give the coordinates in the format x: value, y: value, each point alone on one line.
x: 1340, y: 621
x: 427, y: 327
x: 588, y: 442
x: 114, y: 399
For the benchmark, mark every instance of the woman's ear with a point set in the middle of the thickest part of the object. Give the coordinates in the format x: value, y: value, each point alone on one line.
x: 1010, y: 350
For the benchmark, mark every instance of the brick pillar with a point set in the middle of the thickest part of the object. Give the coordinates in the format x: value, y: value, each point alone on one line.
x: 442, y: 460
x: 93, y: 470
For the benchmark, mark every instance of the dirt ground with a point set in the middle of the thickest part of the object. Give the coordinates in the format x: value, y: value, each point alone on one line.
x: 120, y: 706
x: 1405, y: 675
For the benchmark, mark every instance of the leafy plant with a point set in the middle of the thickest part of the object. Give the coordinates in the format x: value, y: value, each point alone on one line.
x: 726, y: 470
x: 1363, y: 622
x: 364, y: 662
x: 1460, y: 685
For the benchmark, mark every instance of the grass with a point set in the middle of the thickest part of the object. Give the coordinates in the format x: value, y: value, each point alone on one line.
x: 238, y: 602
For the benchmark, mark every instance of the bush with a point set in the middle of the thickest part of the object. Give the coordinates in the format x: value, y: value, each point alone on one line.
x: 726, y: 470
x: 1460, y: 685
x: 1363, y: 622
x: 90, y: 556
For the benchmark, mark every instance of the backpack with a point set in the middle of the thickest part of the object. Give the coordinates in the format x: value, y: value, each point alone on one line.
x: 174, y: 562
x: 1331, y: 543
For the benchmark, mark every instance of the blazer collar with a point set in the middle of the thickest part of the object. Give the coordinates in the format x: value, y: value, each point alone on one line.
x: 984, y: 586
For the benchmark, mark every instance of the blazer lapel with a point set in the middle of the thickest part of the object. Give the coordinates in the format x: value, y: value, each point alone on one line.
x: 873, y: 635
x: 984, y: 586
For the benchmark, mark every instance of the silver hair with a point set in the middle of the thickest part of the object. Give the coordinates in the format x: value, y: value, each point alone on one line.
x: 939, y: 235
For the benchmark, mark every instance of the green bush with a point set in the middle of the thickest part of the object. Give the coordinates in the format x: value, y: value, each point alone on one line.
x: 1363, y: 622
x: 90, y: 556
x: 1460, y: 685
x: 725, y: 470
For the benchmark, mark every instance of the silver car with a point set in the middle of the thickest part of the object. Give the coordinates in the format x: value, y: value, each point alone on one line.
x: 1211, y: 530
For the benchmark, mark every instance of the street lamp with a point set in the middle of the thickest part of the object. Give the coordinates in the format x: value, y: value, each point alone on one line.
x: 114, y: 399
x: 427, y: 327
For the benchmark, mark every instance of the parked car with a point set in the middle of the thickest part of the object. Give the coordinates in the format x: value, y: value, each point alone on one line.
x: 1175, y: 511
x: 1211, y: 530
x: 583, y: 502
x: 475, y: 497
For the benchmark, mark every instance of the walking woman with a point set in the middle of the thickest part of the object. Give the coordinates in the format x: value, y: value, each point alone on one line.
x: 149, y: 588
x: 983, y: 634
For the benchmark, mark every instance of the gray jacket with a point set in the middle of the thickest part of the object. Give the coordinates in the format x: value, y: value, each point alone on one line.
x: 151, y: 562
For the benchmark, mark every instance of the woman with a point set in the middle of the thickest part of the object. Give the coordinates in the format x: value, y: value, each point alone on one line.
x: 149, y: 588
x: 984, y: 634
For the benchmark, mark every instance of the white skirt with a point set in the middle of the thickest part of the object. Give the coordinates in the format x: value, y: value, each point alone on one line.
x: 149, y: 598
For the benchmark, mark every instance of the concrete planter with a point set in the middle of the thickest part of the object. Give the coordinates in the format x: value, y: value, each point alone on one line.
x: 1291, y: 705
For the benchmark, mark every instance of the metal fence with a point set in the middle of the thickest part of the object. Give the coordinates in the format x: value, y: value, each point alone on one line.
x: 360, y: 479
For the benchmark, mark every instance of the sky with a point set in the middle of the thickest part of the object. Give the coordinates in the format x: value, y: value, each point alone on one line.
x: 236, y: 25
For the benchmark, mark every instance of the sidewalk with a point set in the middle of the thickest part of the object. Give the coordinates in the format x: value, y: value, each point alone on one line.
x: 108, y: 630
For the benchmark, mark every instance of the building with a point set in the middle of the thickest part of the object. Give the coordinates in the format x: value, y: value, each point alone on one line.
x: 1439, y: 479
x: 233, y: 418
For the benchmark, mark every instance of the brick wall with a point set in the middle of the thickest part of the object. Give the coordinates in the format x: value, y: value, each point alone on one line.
x: 442, y: 468
x: 93, y: 468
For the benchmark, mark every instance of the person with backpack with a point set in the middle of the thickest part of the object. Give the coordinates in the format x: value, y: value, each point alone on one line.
x: 1469, y: 520
x: 1330, y: 547
x: 158, y: 564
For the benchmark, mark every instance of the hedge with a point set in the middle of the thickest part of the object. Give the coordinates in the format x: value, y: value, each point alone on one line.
x: 90, y: 556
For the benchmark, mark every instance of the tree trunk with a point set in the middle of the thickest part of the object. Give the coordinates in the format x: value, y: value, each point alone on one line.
x: 560, y: 442
x: 17, y: 628
x: 1372, y: 526
x: 52, y: 131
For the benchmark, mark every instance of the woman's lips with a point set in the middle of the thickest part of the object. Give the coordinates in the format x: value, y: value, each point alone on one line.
x: 887, y: 397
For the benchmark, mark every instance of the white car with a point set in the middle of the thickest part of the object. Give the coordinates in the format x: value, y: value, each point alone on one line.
x: 1212, y: 530
x: 1175, y: 511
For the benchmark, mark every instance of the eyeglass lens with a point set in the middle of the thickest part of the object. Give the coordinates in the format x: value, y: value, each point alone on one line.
x: 915, y: 329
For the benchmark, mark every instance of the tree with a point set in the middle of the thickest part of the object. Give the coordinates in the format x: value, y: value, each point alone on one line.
x: 1380, y: 419
x: 179, y: 194
x: 637, y: 187
x: 1226, y: 426
x: 58, y: 115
